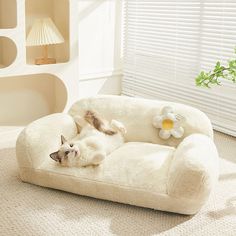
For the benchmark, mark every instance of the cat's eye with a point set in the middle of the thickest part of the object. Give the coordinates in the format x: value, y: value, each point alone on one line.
x: 71, y: 145
x: 67, y: 152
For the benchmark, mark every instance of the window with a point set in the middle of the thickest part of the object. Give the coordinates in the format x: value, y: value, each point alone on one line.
x: 168, y: 42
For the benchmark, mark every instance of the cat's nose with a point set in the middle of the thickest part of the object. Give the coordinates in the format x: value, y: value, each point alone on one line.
x: 77, y: 152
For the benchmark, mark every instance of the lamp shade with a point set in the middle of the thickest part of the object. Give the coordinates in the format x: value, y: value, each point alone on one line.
x: 44, y: 32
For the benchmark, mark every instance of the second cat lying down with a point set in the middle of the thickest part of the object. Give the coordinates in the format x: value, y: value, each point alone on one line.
x: 97, y: 139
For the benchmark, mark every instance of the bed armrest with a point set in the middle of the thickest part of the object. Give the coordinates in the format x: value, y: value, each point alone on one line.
x: 42, y: 137
x: 194, y: 170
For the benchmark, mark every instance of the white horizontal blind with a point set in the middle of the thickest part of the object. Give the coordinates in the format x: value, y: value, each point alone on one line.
x: 168, y: 42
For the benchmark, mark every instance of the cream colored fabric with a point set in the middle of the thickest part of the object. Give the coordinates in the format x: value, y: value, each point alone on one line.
x: 135, y: 165
x: 143, y: 172
x: 42, y: 137
x: 137, y: 115
x: 26, y: 209
x: 194, y: 170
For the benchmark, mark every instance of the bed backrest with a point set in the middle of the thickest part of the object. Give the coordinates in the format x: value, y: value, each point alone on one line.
x: 137, y: 114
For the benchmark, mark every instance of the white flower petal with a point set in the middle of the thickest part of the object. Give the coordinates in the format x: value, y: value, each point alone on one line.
x: 157, y: 121
x: 171, y: 116
x: 177, y: 124
x: 164, y: 134
x: 178, y: 132
x: 167, y: 110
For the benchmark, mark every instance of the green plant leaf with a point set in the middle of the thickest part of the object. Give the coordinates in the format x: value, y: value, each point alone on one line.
x: 205, y: 79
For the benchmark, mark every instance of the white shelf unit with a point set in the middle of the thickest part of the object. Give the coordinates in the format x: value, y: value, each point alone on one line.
x: 31, y: 89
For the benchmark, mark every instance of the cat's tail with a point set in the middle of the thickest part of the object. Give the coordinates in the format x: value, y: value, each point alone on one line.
x: 118, y: 126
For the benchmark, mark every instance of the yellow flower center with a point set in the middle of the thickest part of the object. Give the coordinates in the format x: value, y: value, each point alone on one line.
x: 167, y: 124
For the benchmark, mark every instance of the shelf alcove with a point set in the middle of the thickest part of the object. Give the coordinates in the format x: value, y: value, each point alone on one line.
x: 28, y: 97
x: 8, y: 14
x: 58, y: 11
x: 8, y: 51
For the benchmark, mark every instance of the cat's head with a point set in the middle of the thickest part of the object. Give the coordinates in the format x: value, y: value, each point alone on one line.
x: 67, y: 154
x: 71, y: 154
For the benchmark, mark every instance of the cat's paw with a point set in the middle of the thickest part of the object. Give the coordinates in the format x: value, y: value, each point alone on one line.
x: 98, y: 158
x: 118, y: 126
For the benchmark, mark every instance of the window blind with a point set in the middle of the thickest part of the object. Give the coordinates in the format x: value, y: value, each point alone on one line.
x: 168, y: 42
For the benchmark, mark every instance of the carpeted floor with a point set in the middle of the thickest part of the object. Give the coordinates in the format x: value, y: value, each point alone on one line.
x: 31, y: 210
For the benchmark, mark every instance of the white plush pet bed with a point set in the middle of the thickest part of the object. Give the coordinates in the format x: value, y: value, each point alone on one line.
x: 175, y: 175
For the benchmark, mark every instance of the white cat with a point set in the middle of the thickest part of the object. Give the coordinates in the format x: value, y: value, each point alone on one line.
x: 97, y: 139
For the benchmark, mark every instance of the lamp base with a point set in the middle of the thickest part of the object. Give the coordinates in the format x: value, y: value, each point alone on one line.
x: 44, y: 61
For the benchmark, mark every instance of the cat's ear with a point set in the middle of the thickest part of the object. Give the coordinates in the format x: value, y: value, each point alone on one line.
x: 63, y: 140
x: 98, y: 158
x: 55, y: 156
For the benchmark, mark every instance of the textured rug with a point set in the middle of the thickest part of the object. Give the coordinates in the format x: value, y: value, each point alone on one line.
x: 26, y: 209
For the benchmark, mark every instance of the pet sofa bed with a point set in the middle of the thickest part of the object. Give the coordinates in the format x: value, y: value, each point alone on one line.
x: 175, y: 175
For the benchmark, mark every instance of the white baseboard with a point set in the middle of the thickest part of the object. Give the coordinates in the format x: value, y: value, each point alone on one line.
x: 99, y: 75
x: 102, y: 83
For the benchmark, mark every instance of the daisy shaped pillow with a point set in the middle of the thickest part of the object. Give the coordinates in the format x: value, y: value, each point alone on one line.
x: 169, y: 123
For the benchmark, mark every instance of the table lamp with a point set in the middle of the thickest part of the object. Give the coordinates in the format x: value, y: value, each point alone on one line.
x: 44, y: 33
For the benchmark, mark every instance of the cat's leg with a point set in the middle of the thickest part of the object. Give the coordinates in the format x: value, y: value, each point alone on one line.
x: 98, y: 158
x: 118, y: 126
x: 98, y: 150
x: 80, y: 122
x: 93, y: 154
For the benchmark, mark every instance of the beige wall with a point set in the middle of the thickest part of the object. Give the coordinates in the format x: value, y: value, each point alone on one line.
x: 7, y: 14
x: 100, y: 44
